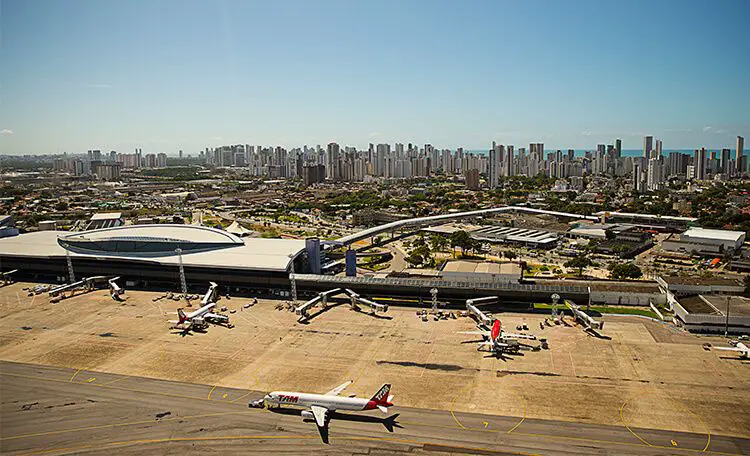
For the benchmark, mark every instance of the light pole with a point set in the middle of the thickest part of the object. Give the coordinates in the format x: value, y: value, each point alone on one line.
x: 183, y: 282
x: 726, y: 325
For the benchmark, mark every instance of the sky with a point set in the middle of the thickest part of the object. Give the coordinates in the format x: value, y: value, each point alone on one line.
x: 171, y: 75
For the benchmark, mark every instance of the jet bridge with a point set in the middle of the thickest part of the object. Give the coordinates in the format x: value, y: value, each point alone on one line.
x: 210, y: 295
x: 6, y: 279
x: 481, y: 318
x: 115, y: 290
x: 356, y: 302
x: 584, y: 318
x: 87, y: 284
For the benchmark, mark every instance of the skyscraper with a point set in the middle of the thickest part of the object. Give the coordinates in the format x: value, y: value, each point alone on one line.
x: 738, y: 162
x: 699, y: 162
x: 648, y: 142
x: 618, y: 148
x: 658, y: 148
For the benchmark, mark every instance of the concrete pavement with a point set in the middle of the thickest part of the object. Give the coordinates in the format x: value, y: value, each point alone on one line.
x: 51, y: 410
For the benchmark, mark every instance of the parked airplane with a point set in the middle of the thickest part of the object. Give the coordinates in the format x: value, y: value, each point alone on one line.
x: 498, y: 340
x: 738, y: 347
x: 199, y: 319
x: 321, y: 405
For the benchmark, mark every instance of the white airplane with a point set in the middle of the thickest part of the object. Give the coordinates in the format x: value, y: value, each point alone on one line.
x: 320, y: 405
x: 198, y: 319
x: 738, y: 347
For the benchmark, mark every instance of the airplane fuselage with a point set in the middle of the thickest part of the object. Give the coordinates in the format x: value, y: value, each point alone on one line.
x: 323, y: 400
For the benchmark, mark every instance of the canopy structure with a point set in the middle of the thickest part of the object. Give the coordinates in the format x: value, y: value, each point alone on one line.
x: 238, y: 230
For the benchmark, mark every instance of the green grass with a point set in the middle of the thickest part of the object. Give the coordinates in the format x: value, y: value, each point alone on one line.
x: 374, y: 267
x: 605, y: 310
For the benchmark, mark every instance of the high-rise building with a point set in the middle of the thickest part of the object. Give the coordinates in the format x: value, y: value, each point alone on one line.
x: 472, y: 179
x: 699, y: 162
x: 618, y: 148
x: 658, y: 148
x: 647, y: 146
x: 496, y: 159
x: 725, y: 164
x: 739, y: 152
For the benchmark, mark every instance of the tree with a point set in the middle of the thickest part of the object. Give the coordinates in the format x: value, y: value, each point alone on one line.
x: 509, y: 254
x: 438, y: 242
x: 625, y: 271
x: 580, y: 262
x: 461, y: 239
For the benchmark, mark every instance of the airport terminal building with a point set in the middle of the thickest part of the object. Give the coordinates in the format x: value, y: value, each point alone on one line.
x: 148, y: 256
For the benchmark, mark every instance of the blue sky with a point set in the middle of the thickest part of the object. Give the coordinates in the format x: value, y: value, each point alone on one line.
x: 169, y: 75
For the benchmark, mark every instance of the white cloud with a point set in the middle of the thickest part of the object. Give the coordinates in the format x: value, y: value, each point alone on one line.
x: 708, y: 128
x: 374, y: 134
x: 6, y: 132
x: 587, y: 133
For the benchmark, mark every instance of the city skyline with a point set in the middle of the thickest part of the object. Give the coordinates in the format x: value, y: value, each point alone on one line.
x: 165, y: 76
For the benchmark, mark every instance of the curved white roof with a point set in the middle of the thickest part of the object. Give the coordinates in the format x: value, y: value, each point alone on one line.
x: 175, y: 233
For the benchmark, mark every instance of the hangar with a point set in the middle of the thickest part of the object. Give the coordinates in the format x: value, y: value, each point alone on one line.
x: 147, y: 256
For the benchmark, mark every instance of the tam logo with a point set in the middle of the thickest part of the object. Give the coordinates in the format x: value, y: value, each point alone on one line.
x: 286, y: 398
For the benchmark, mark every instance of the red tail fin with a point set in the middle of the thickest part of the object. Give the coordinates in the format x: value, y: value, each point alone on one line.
x: 381, y: 397
x: 181, y: 314
x: 495, y: 330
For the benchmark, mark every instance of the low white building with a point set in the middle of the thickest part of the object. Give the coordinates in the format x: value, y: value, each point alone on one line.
x: 704, y: 241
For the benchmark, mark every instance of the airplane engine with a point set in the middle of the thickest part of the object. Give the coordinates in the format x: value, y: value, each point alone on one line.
x: 308, y: 415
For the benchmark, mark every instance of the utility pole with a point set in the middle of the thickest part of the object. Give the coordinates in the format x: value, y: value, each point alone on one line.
x: 726, y: 326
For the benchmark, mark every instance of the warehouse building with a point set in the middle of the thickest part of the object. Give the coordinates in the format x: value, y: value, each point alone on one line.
x: 701, y: 241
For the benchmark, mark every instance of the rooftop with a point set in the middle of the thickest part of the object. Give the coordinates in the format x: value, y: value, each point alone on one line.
x: 704, y: 233
x: 717, y: 305
x: 252, y: 254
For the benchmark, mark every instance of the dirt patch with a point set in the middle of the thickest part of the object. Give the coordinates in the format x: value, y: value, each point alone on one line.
x: 81, y: 355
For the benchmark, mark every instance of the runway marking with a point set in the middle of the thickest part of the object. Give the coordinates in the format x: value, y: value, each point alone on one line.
x: 92, y: 379
x: 708, y: 430
x: 523, y: 401
x: 628, y: 427
x: 74, y: 375
x: 224, y: 396
x: 453, y: 402
x: 212, y: 390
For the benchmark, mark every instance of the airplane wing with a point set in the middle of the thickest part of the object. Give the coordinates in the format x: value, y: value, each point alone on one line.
x: 519, y: 336
x: 320, y: 414
x: 482, y: 333
x: 336, y: 391
x: 735, y: 349
x: 213, y: 315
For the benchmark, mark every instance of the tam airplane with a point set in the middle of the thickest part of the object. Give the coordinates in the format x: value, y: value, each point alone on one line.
x: 498, y: 340
x: 321, y: 405
x: 738, y: 347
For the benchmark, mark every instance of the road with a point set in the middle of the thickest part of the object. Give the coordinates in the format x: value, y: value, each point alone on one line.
x: 54, y: 410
